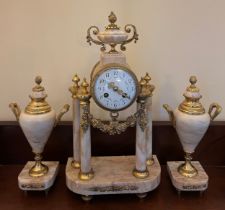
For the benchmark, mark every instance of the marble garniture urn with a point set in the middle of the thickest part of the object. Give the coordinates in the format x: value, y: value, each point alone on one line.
x: 112, y: 35
x: 37, y: 121
x: 191, y: 122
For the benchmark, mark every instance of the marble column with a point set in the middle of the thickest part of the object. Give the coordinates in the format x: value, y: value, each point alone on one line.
x: 76, y: 133
x: 140, y: 170
x: 148, y: 134
x: 86, y: 172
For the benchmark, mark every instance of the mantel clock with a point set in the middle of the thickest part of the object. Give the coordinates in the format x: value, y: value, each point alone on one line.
x: 114, y: 87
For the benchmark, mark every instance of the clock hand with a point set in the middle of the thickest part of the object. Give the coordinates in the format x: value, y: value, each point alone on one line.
x: 118, y: 90
x: 124, y: 95
x: 112, y: 85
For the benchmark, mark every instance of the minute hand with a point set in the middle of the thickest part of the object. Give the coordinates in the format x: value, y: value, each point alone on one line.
x: 112, y: 85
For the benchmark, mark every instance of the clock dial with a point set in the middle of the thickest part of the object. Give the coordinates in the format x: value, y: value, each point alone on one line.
x: 114, y: 88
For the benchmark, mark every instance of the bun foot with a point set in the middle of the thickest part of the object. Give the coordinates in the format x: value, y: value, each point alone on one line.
x: 141, y: 195
x: 87, y: 198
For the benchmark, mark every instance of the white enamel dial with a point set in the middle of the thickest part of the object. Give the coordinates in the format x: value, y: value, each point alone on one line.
x: 114, y: 88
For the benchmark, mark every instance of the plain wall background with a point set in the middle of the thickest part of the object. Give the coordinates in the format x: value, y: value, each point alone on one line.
x: 177, y: 38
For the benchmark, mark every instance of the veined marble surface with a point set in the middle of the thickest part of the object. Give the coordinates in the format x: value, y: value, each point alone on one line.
x: 182, y: 183
x: 140, y: 147
x: 37, y: 128
x: 76, y: 130
x: 28, y: 183
x: 191, y: 129
x: 148, y: 131
x: 113, y: 175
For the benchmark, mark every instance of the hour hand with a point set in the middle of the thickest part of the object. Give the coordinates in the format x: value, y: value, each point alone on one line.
x: 112, y: 85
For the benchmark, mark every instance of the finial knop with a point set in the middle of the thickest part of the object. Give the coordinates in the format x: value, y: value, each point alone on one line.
x: 112, y: 18
x: 193, y: 80
x: 38, y: 80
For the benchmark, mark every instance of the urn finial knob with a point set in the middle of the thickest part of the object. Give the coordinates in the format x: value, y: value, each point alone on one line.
x: 112, y: 19
x: 192, y: 88
x: 193, y: 80
x: 38, y: 80
x: 38, y: 87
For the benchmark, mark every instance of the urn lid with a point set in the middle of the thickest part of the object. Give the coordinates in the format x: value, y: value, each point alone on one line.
x: 191, y: 104
x: 38, y: 105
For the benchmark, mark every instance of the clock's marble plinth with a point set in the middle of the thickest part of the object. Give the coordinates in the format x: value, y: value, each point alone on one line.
x: 106, y: 58
x: 113, y: 175
x: 181, y: 183
x: 28, y: 183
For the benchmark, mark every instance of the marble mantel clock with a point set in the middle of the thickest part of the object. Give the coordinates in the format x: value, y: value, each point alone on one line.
x: 113, y: 87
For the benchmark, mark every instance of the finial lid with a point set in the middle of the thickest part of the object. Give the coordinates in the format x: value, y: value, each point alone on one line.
x: 38, y: 105
x: 191, y: 104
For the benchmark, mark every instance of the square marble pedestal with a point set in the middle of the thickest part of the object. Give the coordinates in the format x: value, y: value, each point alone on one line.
x: 182, y: 183
x: 28, y: 183
x: 113, y: 175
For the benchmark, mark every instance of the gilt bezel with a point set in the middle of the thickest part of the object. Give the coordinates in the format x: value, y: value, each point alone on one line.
x: 106, y: 68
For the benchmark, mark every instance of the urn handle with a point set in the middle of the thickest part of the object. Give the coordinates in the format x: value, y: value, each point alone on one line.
x: 171, y: 114
x: 95, y: 31
x: 65, y: 109
x: 16, y: 110
x: 217, y: 108
x: 134, y: 37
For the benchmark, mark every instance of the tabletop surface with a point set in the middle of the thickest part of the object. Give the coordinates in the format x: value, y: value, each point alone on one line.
x: 165, y: 197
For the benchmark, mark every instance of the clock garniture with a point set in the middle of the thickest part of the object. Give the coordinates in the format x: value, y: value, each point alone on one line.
x: 114, y: 87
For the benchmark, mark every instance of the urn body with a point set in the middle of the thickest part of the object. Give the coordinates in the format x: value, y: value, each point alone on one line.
x: 37, y: 129
x: 191, y: 129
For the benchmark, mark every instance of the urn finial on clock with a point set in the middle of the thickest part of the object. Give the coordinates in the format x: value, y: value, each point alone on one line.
x: 112, y: 35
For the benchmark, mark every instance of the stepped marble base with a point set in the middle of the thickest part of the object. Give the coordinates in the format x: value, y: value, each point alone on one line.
x: 113, y: 175
x: 43, y: 183
x: 182, y: 183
